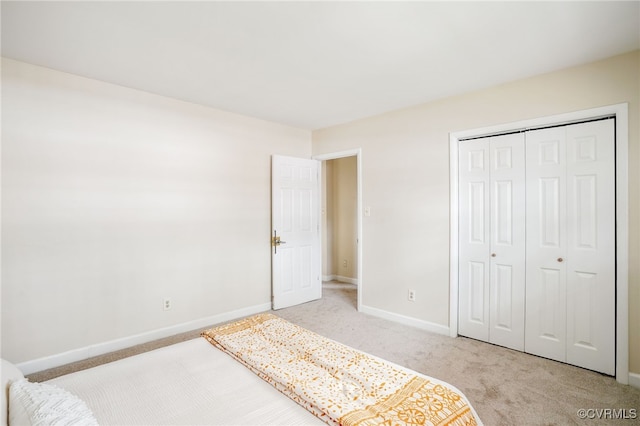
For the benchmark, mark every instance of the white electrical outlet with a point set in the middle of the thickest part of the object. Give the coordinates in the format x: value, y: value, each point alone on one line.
x: 411, y: 295
x: 344, y: 263
x: 166, y: 304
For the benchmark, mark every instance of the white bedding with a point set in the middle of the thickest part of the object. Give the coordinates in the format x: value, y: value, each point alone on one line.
x: 186, y: 383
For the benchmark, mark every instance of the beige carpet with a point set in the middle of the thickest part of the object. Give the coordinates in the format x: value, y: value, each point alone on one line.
x: 506, y: 387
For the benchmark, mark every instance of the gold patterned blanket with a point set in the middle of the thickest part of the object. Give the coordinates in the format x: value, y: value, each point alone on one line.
x: 337, y: 383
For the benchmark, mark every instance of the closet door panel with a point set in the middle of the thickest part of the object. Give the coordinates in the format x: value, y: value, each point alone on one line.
x: 474, y: 268
x: 591, y: 245
x: 537, y: 242
x: 507, y: 233
x: 546, y: 246
x: 549, y: 294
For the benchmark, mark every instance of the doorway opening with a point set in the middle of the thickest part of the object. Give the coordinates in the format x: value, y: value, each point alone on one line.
x: 341, y: 224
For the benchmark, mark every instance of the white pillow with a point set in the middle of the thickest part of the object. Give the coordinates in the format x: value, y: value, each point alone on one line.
x: 44, y: 404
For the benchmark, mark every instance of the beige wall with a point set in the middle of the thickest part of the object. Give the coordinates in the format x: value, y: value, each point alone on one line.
x: 327, y: 220
x: 405, y: 162
x: 113, y: 199
x: 342, y: 194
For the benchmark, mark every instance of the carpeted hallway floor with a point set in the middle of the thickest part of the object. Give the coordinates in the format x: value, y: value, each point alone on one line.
x: 506, y: 387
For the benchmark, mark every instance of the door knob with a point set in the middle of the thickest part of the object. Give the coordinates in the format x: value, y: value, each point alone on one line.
x: 560, y: 259
x: 493, y: 255
x: 276, y: 241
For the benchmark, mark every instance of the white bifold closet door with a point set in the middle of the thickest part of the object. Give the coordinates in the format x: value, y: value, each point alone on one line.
x: 537, y: 242
x: 570, y: 301
x: 492, y: 240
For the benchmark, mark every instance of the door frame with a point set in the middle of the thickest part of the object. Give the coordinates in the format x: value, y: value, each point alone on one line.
x: 357, y: 152
x: 620, y: 111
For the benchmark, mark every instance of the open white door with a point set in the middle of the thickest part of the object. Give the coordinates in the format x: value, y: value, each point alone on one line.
x: 295, y: 231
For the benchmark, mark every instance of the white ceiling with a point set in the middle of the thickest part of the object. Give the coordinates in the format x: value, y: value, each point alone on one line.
x: 314, y: 64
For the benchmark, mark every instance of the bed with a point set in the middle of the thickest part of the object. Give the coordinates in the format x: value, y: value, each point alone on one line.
x: 260, y: 370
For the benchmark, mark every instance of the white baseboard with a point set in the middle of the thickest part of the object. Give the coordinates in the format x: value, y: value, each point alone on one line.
x: 634, y: 380
x: 402, y: 319
x: 80, y: 354
x: 340, y: 278
x: 346, y: 280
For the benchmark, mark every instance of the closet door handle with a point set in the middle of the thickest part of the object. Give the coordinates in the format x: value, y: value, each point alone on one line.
x: 560, y: 259
x: 493, y: 255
